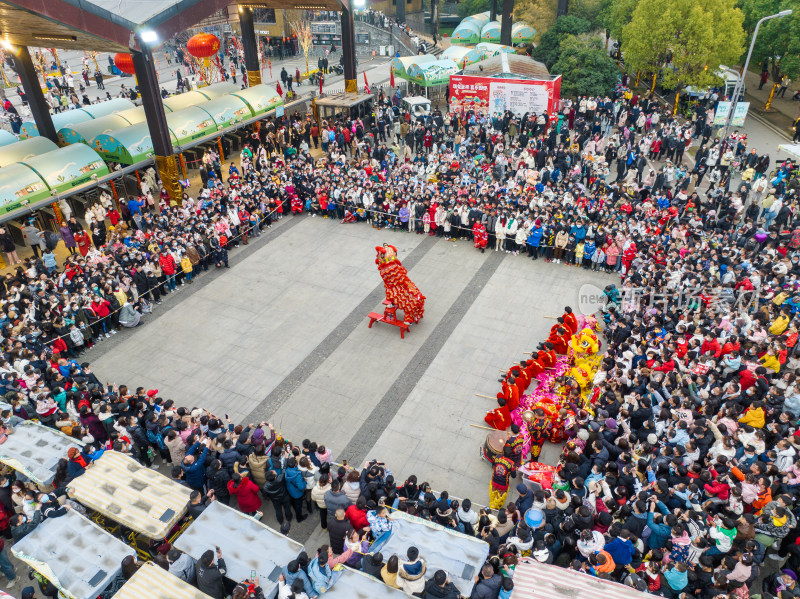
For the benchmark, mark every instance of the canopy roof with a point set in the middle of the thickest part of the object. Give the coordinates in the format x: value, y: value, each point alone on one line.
x: 6, y: 137
x: 246, y: 544
x: 534, y: 580
x: 20, y: 185
x: 510, y: 66
x: 119, y: 487
x: 260, y: 98
x: 108, y: 107
x: 198, y: 96
x: 86, y: 132
x: 152, y: 582
x: 491, y: 32
x: 78, y: 115
x: 136, y: 115
x: 353, y: 584
x: 190, y: 124
x: 33, y: 449
x: 459, y: 555
x: 73, y: 553
x: 432, y: 73
x: 228, y: 110
x: 128, y: 146
x: 27, y: 148
x: 401, y: 64
x: 68, y: 167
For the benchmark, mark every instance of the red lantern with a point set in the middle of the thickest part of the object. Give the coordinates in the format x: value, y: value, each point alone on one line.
x: 124, y: 62
x: 203, y: 45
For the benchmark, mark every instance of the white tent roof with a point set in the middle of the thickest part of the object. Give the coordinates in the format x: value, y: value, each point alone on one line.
x: 534, y: 580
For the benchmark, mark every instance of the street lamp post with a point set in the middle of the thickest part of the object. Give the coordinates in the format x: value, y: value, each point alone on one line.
x: 739, y: 87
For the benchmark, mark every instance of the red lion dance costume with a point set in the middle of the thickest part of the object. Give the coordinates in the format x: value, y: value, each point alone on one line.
x: 399, y: 289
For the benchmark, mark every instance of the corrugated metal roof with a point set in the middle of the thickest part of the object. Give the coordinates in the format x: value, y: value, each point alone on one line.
x: 509, y: 66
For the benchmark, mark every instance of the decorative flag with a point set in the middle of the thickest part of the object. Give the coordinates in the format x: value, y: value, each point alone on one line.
x: 279, y: 90
x: 391, y: 76
x: 366, y: 83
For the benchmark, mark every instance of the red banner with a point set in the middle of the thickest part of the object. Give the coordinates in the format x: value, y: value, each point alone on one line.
x: 492, y: 95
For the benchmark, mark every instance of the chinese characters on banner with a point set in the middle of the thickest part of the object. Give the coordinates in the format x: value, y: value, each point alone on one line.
x: 492, y: 95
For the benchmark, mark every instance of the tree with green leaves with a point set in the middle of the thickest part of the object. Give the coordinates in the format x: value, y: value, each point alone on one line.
x: 618, y: 15
x: 778, y: 42
x: 548, y: 49
x: 467, y: 8
x: 684, y: 40
x: 585, y: 67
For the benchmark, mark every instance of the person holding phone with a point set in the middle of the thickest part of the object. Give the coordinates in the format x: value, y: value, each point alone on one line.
x: 211, y: 575
x: 248, y: 588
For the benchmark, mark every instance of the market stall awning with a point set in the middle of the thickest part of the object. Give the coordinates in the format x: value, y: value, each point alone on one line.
x: 74, y: 554
x: 86, y: 132
x: 33, y: 449
x: 129, y: 145
x: 108, y: 107
x: 217, y: 90
x: 491, y: 32
x: 20, y: 186
x: 400, y: 64
x: 353, y: 584
x: 136, y: 115
x: 68, y: 167
x: 152, y: 582
x: 227, y: 110
x: 190, y: 124
x: 522, y: 33
x: 535, y: 580
x: 137, y: 497
x: 432, y: 73
x: 488, y: 49
x: 458, y: 554
x: 260, y: 98
x: 468, y: 30
x: 24, y: 149
x: 6, y: 138
x: 246, y: 544
x: 62, y: 119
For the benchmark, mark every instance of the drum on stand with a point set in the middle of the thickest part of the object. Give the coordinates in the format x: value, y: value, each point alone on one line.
x: 493, y: 445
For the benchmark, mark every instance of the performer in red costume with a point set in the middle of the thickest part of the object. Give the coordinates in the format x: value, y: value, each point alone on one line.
x: 499, y: 418
x: 570, y: 320
x: 480, y: 235
x: 400, y: 291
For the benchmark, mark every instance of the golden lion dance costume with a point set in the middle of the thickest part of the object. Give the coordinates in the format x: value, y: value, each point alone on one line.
x: 582, y: 353
x: 400, y: 291
x: 581, y: 364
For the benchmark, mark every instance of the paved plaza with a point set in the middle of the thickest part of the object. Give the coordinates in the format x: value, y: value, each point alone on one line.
x: 283, y: 336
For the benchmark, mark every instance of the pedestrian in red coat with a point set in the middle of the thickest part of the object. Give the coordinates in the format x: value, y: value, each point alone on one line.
x: 246, y: 493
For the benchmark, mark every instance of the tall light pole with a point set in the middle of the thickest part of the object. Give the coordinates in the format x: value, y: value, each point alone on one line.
x: 737, y: 90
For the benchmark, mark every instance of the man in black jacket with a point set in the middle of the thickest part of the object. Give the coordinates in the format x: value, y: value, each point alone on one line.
x: 275, y: 490
x: 440, y: 587
x: 211, y: 576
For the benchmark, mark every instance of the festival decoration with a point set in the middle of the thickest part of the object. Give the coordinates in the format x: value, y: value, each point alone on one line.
x: 583, y: 348
x: 124, y: 62
x: 203, y: 45
x: 400, y: 291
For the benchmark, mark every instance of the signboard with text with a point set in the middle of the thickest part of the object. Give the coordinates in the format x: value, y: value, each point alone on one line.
x: 739, y: 113
x: 492, y: 95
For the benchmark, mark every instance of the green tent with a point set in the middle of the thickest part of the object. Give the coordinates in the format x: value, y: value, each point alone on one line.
x: 227, y: 110
x: 65, y: 168
x: 20, y: 185
x: 128, y: 146
x: 190, y: 124
x: 432, y: 73
x: 108, y: 107
x: 198, y: 96
x: 401, y: 64
x: 86, y: 132
x: 27, y: 148
x: 60, y: 120
x: 6, y: 137
x: 260, y: 98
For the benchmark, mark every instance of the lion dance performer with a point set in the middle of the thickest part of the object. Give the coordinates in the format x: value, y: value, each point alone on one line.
x: 502, y: 469
x: 400, y: 291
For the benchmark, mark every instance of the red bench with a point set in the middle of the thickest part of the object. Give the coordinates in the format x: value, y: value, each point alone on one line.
x: 403, y: 326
